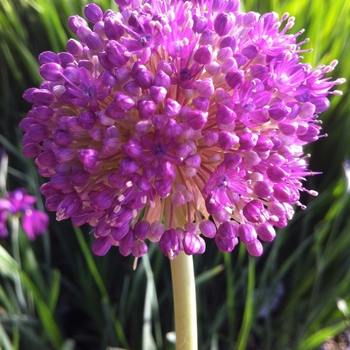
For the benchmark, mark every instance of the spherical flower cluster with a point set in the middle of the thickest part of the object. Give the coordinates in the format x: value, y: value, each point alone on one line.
x: 172, y: 120
x: 18, y: 202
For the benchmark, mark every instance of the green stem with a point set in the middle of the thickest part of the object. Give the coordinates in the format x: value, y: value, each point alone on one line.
x: 184, y: 289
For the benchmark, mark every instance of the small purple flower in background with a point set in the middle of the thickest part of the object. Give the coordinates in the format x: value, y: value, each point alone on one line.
x: 18, y: 202
x: 174, y: 120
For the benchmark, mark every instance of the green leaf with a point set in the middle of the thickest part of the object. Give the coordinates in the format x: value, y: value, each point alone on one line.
x: 10, y: 268
x: 322, y: 335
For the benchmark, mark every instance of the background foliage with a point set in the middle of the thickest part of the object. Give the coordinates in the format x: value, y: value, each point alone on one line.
x: 54, y: 294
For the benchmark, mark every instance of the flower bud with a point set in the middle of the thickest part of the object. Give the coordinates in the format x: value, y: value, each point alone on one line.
x: 254, y: 247
x: 93, y: 13
x: 247, y: 233
x: 223, y: 23
x: 101, y: 245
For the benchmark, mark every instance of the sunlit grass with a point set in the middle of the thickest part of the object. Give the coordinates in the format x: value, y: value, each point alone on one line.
x: 116, y: 306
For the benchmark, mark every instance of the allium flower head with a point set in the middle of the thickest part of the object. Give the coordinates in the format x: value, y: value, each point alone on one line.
x: 173, y: 120
x: 18, y: 202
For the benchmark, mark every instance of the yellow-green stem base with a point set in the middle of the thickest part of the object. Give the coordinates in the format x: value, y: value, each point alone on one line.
x: 185, y: 308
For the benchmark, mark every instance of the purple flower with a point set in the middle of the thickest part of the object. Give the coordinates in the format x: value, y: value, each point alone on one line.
x: 170, y: 121
x: 18, y: 202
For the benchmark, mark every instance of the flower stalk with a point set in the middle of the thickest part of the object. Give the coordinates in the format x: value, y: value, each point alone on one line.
x: 184, y: 291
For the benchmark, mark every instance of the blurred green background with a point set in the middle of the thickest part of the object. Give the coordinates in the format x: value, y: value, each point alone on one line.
x: 54, y: 294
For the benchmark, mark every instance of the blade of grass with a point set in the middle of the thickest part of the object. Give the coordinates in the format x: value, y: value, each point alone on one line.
x: 113, y: 325
x: 5, y: 341
x: 320, y: 336
x: 99, y: 282
x: 229, y: 294
x: 150, y: 298
x: 209, y: 274
x: 249, y: 306
x: 54, y: 290
x: 154, y: 301
x: 90, y: 262
x: 13, y: 18
x: 68, y: 345
x: 55, y: 29
x: 9, y: 268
